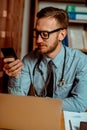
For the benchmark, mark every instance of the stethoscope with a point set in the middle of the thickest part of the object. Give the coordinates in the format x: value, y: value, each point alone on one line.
x: 61, y: 82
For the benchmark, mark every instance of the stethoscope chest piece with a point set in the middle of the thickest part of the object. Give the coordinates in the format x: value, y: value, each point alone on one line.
x: 61, y: 83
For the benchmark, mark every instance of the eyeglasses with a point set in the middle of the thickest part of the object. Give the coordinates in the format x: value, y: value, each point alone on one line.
x: 45, y: 34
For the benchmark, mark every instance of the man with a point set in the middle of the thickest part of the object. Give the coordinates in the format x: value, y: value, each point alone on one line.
x: 69, y: 65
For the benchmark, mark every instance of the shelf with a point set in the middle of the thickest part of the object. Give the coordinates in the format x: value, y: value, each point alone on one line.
x: 78, y: 21
x: 66, y: 1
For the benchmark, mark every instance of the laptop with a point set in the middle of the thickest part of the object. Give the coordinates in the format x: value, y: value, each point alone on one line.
x: 29, y: 113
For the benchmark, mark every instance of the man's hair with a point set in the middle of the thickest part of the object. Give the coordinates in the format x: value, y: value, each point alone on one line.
x: 60, y: 15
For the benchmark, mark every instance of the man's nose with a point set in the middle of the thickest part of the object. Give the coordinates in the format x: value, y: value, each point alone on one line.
x: 39, y: 38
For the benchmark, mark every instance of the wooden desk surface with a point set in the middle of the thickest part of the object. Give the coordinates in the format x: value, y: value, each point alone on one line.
x: 62, y: 122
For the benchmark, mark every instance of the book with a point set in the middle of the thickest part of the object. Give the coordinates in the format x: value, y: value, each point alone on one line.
x: 72, y: 120
x: 84, y: 35
x: 77, y: 16
x: 75, y: 37
x: 79, y: 9
x: 65, y: 41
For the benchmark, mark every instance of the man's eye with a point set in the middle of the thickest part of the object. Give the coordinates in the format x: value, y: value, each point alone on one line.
x: 44, y: 34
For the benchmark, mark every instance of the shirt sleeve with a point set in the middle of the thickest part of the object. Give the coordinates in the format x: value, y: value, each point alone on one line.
x: 21, y: 85
x: 78, y: 99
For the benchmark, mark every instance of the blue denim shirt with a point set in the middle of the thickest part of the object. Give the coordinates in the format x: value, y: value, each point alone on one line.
x: 73, y: 92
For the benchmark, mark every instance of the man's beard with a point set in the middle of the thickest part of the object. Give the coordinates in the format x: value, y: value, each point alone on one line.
x: 48, y: 50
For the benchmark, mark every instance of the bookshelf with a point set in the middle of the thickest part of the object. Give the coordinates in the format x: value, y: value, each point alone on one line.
x: 38, y: 4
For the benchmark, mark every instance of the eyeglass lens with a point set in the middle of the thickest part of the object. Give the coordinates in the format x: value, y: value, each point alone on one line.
x: 43, y: 34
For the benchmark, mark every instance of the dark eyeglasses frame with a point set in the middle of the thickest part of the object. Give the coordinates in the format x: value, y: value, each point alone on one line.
x: 48, y: 32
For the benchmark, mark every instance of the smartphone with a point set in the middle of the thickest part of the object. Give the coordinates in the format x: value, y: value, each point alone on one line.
x: 8, y: 53
x: 83, y: 125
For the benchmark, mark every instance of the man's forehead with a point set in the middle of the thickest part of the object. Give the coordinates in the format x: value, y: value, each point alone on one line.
x: 46, y: 22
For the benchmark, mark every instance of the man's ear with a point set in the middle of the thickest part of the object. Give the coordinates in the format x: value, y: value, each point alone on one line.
x: 62, y: 34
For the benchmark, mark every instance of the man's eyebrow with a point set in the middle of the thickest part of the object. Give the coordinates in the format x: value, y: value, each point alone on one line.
x: 40, y: 30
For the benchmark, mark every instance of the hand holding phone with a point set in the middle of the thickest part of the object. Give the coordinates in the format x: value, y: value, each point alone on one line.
x: 12, y: 65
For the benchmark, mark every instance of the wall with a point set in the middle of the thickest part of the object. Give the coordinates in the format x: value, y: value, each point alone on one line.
x: 25, y: 33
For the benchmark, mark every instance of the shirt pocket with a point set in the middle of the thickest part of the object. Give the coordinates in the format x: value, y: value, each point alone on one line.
x: 63, y: 91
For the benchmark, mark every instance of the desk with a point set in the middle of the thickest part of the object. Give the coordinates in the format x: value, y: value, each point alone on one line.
x: 62, y: 122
